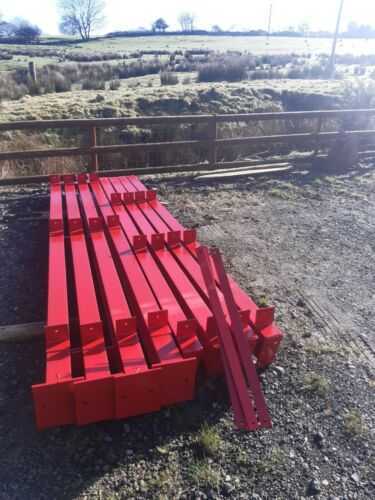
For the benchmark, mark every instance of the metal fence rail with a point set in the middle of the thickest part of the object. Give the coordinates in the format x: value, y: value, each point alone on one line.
x: 211, y: 143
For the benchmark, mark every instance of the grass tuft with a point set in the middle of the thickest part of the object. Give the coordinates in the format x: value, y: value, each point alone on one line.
x: 263, y: 301
x: 315, y: 383
x: 353, y: 423
x: 280, y: 193
x: 204, y: 476
x: 271, y: 463
x: 208, y: 441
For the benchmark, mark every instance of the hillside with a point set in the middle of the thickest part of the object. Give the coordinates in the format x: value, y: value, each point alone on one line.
x: 145, y: 96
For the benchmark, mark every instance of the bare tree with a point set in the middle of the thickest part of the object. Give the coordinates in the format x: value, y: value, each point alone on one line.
x: 186, y: 20
x: 81, y: 17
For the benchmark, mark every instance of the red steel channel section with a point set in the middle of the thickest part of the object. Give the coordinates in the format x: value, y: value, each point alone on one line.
x: 150, y: 223
x: 94, y: 395
x: 135, y: 386
x: 135, y: 304
x: 178, y: 373
x: 242, y: 346
x: 136, y: 225
x: 262, y: 318
x: 242, y: 403
x: 53, y: 400
x: 186, y: 337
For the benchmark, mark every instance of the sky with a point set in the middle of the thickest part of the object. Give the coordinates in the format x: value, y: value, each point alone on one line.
x: 233, y: 14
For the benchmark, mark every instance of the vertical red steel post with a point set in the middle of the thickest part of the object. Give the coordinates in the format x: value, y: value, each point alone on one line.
x: 53, y: 400
x: 240, y: 397
x: 261, y: 318
x: 137, y: 389
x: 178, y: 374
x: 242, y: 346
x: 98, y: 387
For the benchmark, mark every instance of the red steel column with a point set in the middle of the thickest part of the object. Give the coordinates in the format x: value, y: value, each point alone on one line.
x: 261, y: 318
x: 99, y: 403
x: 137, y: 387
x: 53, y: 400
x: 178, y: 374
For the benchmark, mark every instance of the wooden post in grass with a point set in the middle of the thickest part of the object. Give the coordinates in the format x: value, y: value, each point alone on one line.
x: 32, y: 71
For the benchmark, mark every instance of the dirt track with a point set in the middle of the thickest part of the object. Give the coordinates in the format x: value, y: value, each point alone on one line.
x: 304, y: 242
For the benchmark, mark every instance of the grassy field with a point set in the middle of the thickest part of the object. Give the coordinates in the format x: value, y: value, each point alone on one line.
x: 253, y: 45
x: 171, y: 76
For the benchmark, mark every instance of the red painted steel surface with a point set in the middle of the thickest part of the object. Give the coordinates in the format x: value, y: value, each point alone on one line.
x: 97, y: 385
x: 185, y: 330
x: 243, y: 404
x: 268, y: 335
x: 178, y: 373
x: 53, y: 400
x: 150, y: 223
x: 130, y: 315
x: 242, y: 346
x: 141, y: 394
x: 188, y: 297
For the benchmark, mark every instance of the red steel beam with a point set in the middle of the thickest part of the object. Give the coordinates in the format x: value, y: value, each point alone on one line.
x: 136, y: 388
x: 242, y: 346
x: 132, y: 224
x: 185, y: 259
x: 98, y: 382
x: 188, y: 298
x: 178, y: 373
x: 183, y: 329
x: 53, y: 400
x: 262, y: 318
x: 246, y: 416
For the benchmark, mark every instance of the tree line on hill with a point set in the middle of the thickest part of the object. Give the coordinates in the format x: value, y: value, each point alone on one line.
x: 84, y: 17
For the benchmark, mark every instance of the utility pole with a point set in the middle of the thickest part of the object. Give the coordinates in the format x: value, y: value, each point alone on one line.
x: 331, y: 67
x: 270, y: 20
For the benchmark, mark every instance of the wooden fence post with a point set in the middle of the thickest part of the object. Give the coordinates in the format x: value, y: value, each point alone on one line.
x: 343, y: 153
x: 94, y: 161
x: 32, y: 71
x: 317, y: 132
x: 212, y: 133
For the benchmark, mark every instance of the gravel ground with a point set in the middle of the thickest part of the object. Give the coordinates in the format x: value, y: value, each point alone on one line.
x: 307, y: 244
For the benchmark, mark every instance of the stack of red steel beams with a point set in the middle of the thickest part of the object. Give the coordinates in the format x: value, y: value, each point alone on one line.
x: 129, y: 317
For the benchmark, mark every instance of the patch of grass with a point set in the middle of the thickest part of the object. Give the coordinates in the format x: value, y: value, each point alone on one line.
x: 280, y: 193
x: 242, y: 460
x: 271, y: 463
x: 208, y: 441
x: 166, y: 483
x: 228, y: 67
x: 93, y: 85
x: 204, y: 476
x: 315, y: 384
x: 263, y: 301
x: 353, y: 423
x: 319, y: 348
